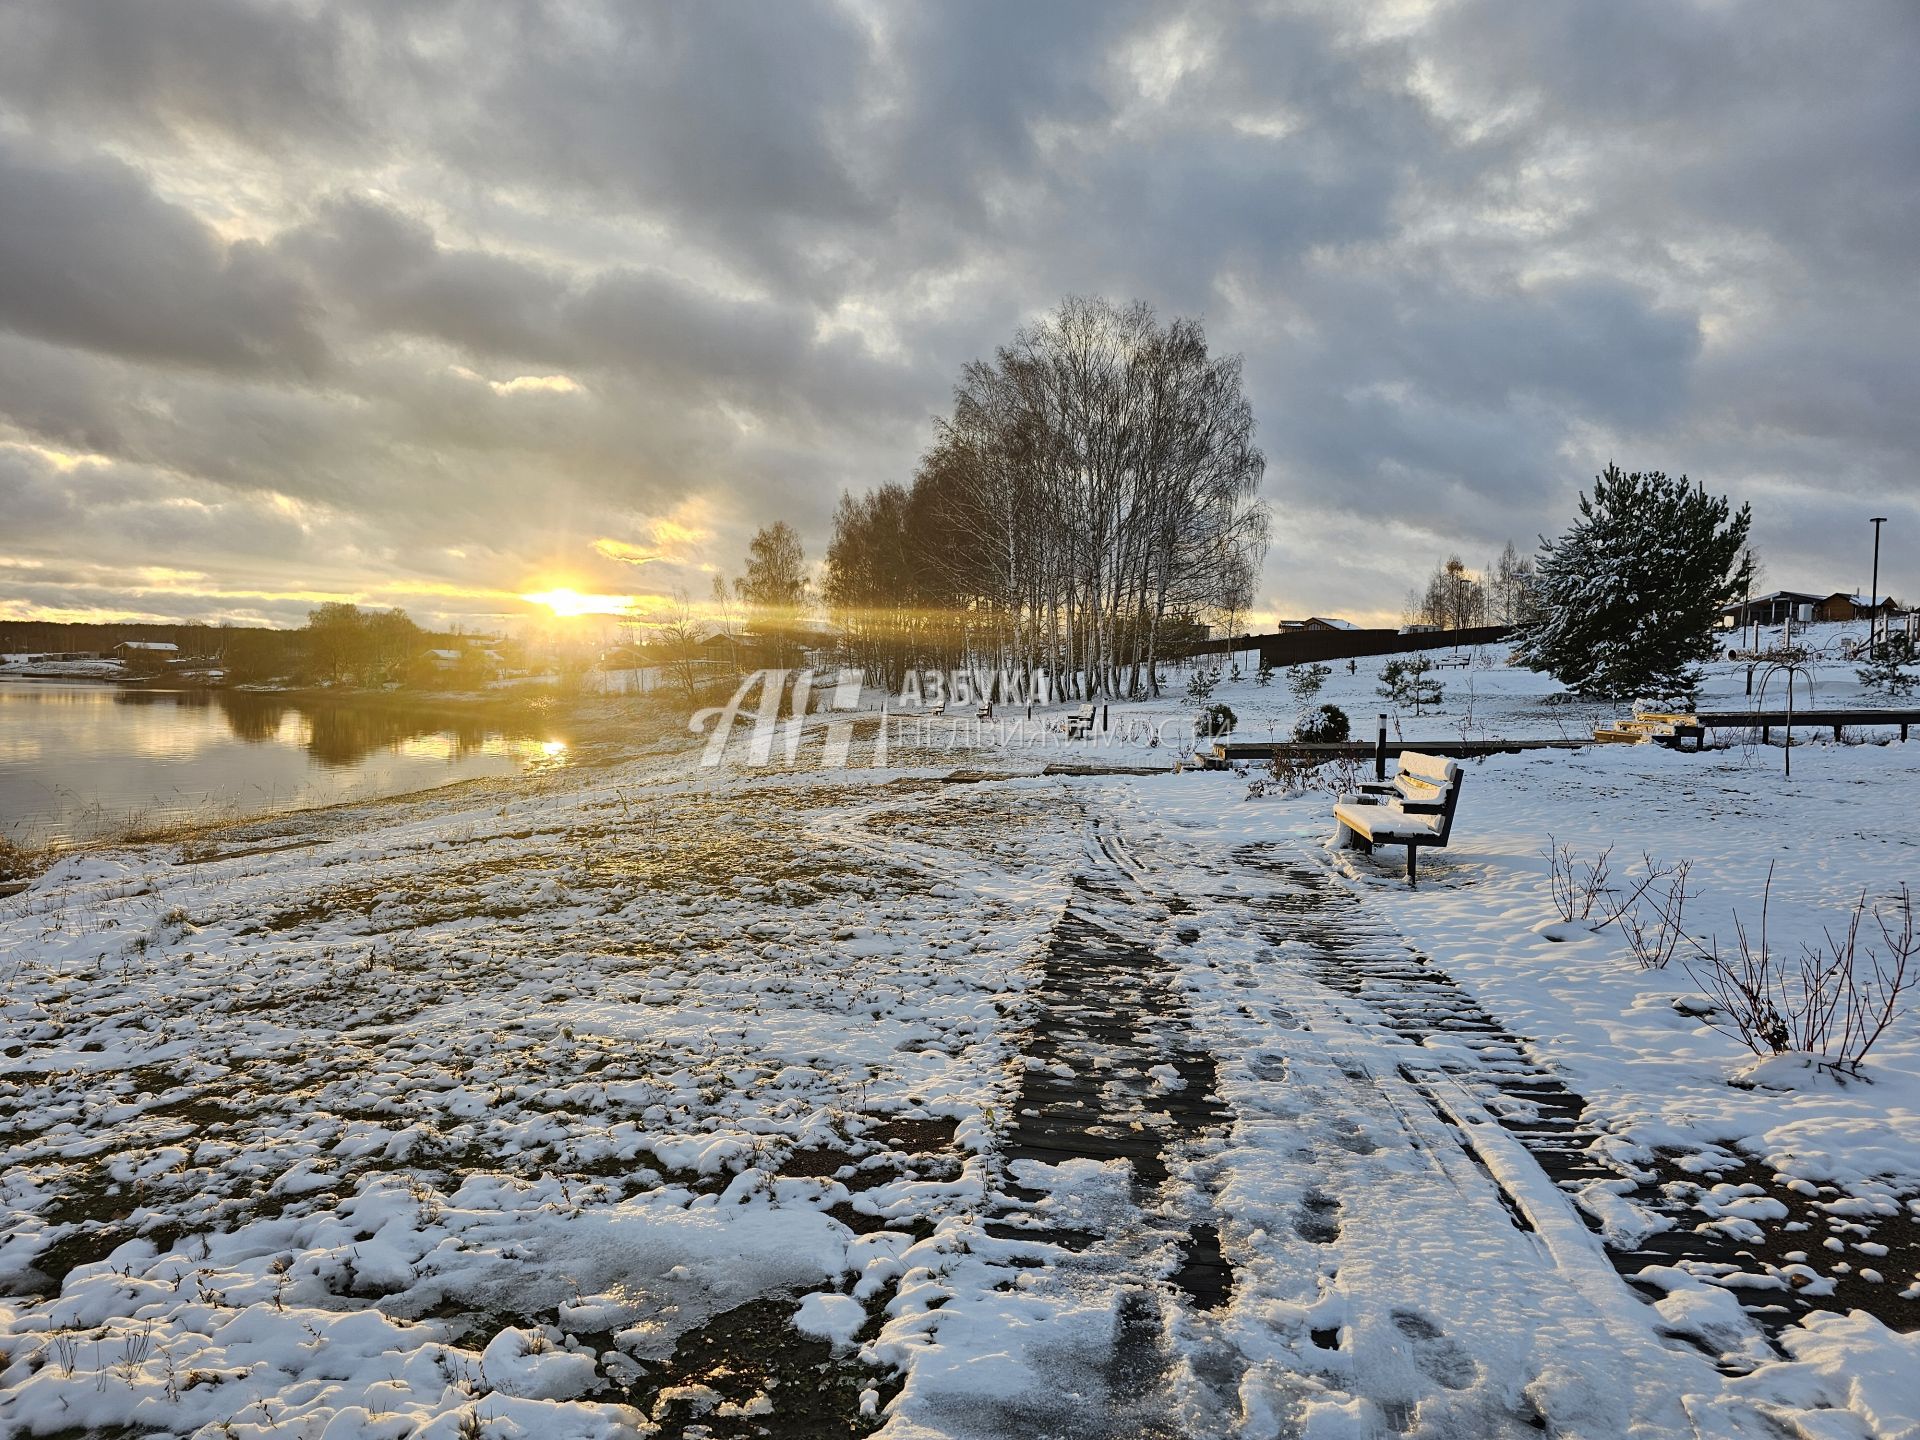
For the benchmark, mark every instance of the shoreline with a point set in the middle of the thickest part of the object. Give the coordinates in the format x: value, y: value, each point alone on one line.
x: 596, y: 731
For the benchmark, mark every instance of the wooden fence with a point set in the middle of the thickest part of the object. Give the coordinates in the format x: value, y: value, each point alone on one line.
x: 1300, y: 647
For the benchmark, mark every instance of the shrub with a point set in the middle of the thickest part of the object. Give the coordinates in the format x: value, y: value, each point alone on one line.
x: 1893, y: 666
x: 1305, y: 680
x: 1200, y: 684
x: 1215, y: 720
x: 1832, y: 1002
x: 1263, y: 677
x: 1577, y: 886
x: 1326, y: 726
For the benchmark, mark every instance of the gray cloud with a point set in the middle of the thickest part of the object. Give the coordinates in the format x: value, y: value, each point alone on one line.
x: 91, y: 257
x: 468, y: 287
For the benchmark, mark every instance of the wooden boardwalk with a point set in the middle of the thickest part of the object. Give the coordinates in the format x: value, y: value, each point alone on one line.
x: 1765, y: 721
x: 1226, y: 750
x: 1812, y: 719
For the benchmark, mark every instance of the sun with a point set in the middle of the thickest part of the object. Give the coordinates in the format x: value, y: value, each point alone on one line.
x: 570, y: 603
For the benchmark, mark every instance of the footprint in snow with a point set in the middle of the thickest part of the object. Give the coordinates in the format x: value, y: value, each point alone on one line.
x: 1270, y: 1068
x: 1438, y: 1356
x: 1319, y: 1219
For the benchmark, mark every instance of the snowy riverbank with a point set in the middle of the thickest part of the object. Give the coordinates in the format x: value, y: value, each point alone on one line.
x: 672, y: 1097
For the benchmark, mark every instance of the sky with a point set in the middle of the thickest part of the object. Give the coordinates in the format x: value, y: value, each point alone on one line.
x: 442, y: 305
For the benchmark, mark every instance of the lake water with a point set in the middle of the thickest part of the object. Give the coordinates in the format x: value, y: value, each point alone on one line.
x: 79, y: 760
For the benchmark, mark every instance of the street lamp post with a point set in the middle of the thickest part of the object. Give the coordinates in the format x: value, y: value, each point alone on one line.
x: 1873, y: 599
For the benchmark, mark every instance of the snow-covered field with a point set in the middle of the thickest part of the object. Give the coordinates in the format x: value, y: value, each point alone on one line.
x: 1483, y: 696
x: 654, y: 1099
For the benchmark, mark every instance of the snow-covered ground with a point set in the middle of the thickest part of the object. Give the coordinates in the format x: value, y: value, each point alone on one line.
x: 655, y: 1098
x: 1483, y: 696
x: 24, y: 667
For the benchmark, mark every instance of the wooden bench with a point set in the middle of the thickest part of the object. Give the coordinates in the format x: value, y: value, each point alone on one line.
x: 1080, y: 723
x: 1415, y: 808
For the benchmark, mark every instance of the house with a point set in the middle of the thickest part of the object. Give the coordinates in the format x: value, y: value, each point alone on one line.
x: 732, y: 652
x: 1774, y: 608
x: 441, y: 659
x: 1844, y: 606
x: 1318, y: 622
x: 146, y: 655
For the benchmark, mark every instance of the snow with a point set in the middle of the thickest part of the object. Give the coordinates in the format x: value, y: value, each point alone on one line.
x: 472, y: 1110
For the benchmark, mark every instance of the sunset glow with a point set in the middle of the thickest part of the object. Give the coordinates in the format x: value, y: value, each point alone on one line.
x: 569, y: 604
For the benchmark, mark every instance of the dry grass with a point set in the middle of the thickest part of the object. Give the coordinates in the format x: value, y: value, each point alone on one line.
x: 19, y: 862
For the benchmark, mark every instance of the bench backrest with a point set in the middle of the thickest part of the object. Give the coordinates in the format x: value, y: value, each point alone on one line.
x: 1430, y: 780
x: 1435, y: 772
x: 1085, y: 712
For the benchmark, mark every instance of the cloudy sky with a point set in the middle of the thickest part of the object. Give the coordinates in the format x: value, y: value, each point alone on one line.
x: 437, y: 305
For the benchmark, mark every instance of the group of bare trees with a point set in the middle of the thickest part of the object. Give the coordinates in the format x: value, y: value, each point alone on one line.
x: 776, y: 594
x: 1090, y: 501
x: 1456, y: 598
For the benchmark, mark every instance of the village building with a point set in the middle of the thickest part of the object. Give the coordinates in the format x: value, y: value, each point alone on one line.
x: 1776, y: 607
x: 1844, y: 606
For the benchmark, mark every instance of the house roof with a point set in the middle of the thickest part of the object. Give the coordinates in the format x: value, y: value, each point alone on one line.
x: 1331, y: 621
x: 164, y: 646
x: 1864, y: 602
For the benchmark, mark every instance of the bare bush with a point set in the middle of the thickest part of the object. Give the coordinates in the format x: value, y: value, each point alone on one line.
x: 1341, y: 775
x: 1654, y: 934
x: 1292, y: 772
x: 1578, y: 885
x: 1832, y: 1001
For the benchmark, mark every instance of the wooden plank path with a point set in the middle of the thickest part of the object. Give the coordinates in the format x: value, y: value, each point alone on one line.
x: 1347, y: 947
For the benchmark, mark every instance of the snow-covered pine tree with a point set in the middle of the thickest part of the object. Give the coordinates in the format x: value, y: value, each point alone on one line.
x: 1411, y: 682
x: 1623, y: 604
x: 1893, y: 666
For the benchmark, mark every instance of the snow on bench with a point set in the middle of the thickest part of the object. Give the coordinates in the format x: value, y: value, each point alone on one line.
x: 1662, y: 727
x: 1080, y: 723
x: 1415, y: 808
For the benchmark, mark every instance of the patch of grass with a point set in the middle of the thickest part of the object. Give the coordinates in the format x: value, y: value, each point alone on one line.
x: 19, y: 862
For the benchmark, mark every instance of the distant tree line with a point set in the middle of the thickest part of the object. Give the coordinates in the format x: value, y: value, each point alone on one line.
x: 1455, y: 598
x: 339, y: 643
x: 1088, y: 503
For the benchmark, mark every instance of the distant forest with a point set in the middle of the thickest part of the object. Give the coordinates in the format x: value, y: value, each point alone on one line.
x: 339, y: 643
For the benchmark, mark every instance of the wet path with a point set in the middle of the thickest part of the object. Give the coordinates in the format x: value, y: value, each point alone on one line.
x: 1318, y: 1178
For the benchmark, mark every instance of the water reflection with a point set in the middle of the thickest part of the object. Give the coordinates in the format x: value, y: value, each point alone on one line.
x: 340, y: 733
x: 78, y: 760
